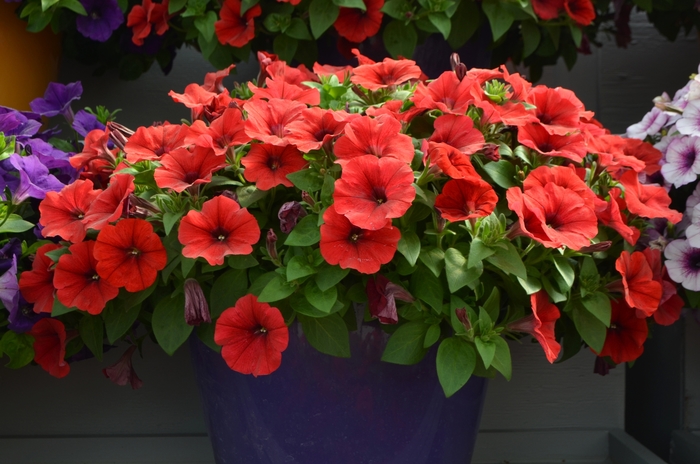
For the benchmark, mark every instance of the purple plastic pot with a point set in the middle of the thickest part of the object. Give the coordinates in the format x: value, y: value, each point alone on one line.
x: 318, y: 409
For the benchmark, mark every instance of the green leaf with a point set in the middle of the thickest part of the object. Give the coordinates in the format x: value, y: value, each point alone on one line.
x: 492, y: 306
x: 46, y: 4
x: 91, y: 330
x: 396, y: 8
x: 321, y: 300
x: 329, y: 276
x: 285, y: 47
x: 508, y: 260
x: 501, y: 361
x: 552, y: 292
x: 467, y: 17
x: 531, y: 285
x: 276, y: 289
x: 565, y: 271
x: 442, y: 23
x: 227, y: 289
x: 400, y: 39
x: 15, y: 225
x: 249, y: 194
x: 328, y: 335
x: 592, y: 330
x: 306, y: 232
x: 118, y: 320
x: 307, y: 180
x: 176, y: 5
x: 502, y: 172
x: 169, y: 326
x: 409, y: 246
x: 457, y: 271
x: 359, y: 4
x: 405, y: 346
x: 531, y: 37
x: 299, y: 267
x: 297, y: 29
x: 434, y: 259
x: 205, y: 25
x: 301, y: 305
x: 73, y: 5
x: 500, y: 18
x: 247, y: 5
x: 19, y: 348
x: 186, y: 265
x: 327, y: 189
x: 486, y: 349
x: 59, y: 308
x: 598, y: 304
x: 170, y: 219
x: 646, y: 5
x: 241, y: 261
x: 576, y: 34
x: 205, y: 332
x: 478, y: 252
x: 322, y: 15
x: 455, y: 363
x: 426, y: 287
x: 431, y: 336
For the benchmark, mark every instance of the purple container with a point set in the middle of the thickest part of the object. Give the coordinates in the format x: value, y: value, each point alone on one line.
x: 318, y: 409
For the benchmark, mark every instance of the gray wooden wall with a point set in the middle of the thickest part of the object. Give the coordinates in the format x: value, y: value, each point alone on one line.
x: 545, y: 414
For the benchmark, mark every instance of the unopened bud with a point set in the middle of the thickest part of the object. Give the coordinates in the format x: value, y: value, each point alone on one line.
x: 196, y: 307
x: 463, y: 318
x: 119, y: 134
x: 271, y: 244
x: 140, y: 208
x: 441, y: 223
x: 454, y: 61
x: 491, y: 152
x: 230, y: 195
x: 596, y: 247
x: 290, y: 213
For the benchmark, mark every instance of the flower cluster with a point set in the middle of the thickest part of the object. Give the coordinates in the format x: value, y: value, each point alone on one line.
x: 465, y: 209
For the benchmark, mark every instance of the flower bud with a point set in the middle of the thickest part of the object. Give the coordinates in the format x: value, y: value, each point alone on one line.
x: 122, y: 372
x: 463, y: 318
x: 596, y: 247
x: 271, y: 244
x: 491, y: 152
x: 138, y: 207
x: 601, y: 366
x: 306, y: 198
x: 289, y: 214
x: 441, y: 223
x: 118, y: 134
x: 196, y: 307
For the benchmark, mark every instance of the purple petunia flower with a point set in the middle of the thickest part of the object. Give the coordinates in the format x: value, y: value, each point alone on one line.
x: 23, y: 318
x: 652, y: 122
x: 9, y: 287
x: 682, y: 161
x: 103, y: 18
x: 57, y: 100
x: 15, y: 123
x: 85, y: 122
x: 689, y: 124
x: 13, y: 248
x: 34, y: 179
x: 683, y: 264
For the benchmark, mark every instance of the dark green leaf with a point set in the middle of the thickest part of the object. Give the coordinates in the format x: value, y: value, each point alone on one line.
x: 73, y: 5
x: 502, y: 172
x: 500, y: 18
x: 322, y: 15
x: 530, y: 285
x: 241, y: 261
x: 565, y: 271
x: 400, y: 39
x: 247, y: 5
x: 442, y: 23
x: 19, y: 348
x: 276, y: 289
x: 301, y: 305
x: 59, y: 308
x: 431, y: 336
x: 306, y: 232
x: 177, y: 5
x: 170, y: 219
x: 592, y: 330
x: 285, y: 47
x: 227, y: 289
x: 409, y: 246
x: 646, y: 5
x: 426, y: 287
x: 457, y: 272
x: 455, y: 363
x: 508, y: 260
x: 501, y: 361
x: 405, y: 346
x: 169, y: 326
x: 297, y: 29
x: 328, y: 335
x: 329, y: 276
x: 478, y: 252
x: 91, y: 330
x: 598, y: 304
x: 205, y: 25
x: 118, y: 320
x: 205, y: 332
x: 15, y: 225
x: 531, y: 37
x: 299, y: 267
x: 323, y: 301
x: 492, y: 306
x: 359, y: 4
x: 327, y: 189
x: 486, y: 349
x: 307, y: 180
x: 434, y: 259
x: 467, y: 18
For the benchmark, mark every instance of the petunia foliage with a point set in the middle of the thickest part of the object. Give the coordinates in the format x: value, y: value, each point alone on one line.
x: 458, y: 214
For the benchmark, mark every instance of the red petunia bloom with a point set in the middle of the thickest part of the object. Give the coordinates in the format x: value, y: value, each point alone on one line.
x: 626, y: 334
x: 540, y: 324
x: 451, y: 161
x: 459, y: 132
x: 371, y: 191
x: 146, y: 17
x: 581, y: 11
x: 393, y: 108
x: 129, y: 254
x: 380, y: 137
x: 200, y: 101
x: 446, y: 93
x: 352, y: 247
x: 640, y: 289
x: 37, y: 285
x: 554, y: 216
x: 268, y: 165
x: 648, y: 201
x: 62, y: 213
x: 547, y: 9
x: 382, y: 295
x: 280, y: 88
x: 468, y: 198
x: 77, y: 281
x: 253, y: 336
x: 317, y: 127
x: 233, y: 29
x: 341, y: 72
x: 226, y: 131
x: 182, y: 168
x: 150, y: 143
x: 50, y: 346
x: 222, y: 228
x: 556, y: 112
x: 109, y: 204
x: 612, y: 217
x: 645, y: 152
x: 356, y: 25
x: 563, y: 176
x: 671, y: 304
x: 95, y: 149
x: 535, y: 136
x: 385, y: 73
x: 269, y: 121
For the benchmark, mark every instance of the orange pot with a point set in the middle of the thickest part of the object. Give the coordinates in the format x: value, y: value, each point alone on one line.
x: 31, y: 60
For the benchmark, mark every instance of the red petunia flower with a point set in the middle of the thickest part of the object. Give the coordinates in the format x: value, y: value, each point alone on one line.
x: 556, y: 112
x: 540, y: 324
x: 645, y: 152
x: 50, y: 346
x: 671, y: 304
x: 150, y: 143
x: 382, y: 295
x: 253, y: 336
x: 129, y: 254
x: 352, y: 247
x: 451, y: 161
x: 648, y: 201
x: 547, y: 9
x: 385, y: 73
x: 581, y: 11
x: 393, y: 108
x: 535, y: 136
x: 182, y: 168
x: 213, y: 81
x: 233, y: 29
x: 77, y: 281
x: 95, y: 148
x: 612, y: 217
x: 380, y: 137
x: 563, y: 176
x: 626, y: 335
x: 356, y: 25
x: 554, y: 216
x: 468, y: 198
x: 146, y: 17
x: 222, y: 228
x: 62, y: 213
x: 225, y: 132
x: 37, y: 285
x: 459, y: 132
x: 109, y: 204
x: 446, y: 93
x: 280, y: 88
x: 317, y: 127
x: 268, y: 121
x: 341, y: 72
x: 268, y: 165
x: 640, y: 289
x: 371, y: 191
x: 197, y: 99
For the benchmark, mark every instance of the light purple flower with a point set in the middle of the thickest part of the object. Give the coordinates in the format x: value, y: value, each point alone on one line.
x: 85, y: 122
x: 57, y: 100
x: 34, y: 179
x: 651, y: 123
x: 683, y: 264
x: 689, y: 124
x: 9, y: 287
x: 682, y: 161
x: 103, y: 18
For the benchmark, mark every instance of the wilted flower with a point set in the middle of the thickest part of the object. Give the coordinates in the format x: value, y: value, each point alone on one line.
x: 122, y: 372
x: 196, y: 307
x: 289, y: 214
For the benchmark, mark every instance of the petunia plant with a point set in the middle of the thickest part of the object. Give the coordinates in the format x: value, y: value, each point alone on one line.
x: 456, y: 213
